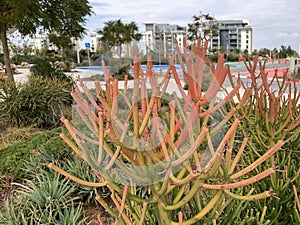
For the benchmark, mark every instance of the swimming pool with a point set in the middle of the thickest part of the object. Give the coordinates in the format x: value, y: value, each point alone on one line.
x: 156, y: 68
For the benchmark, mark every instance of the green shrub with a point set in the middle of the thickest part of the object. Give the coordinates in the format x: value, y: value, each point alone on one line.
x: 83, y: 171
x: 214, y: 57
x: 38, y: 102
x: 18, y: 59
x: 232, y: 57
x: 45, y: 68
x: 26, y: 159
x: 14, y: 158
x: 271, y: 116
x: 84, y: 63
x: 13, y: 135
x: 43, y: 201
x: 120, y: 73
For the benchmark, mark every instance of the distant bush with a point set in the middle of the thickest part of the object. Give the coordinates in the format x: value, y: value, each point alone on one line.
x: 18, y: 59
x: 232, y: 57
x: 39, y: 102
x: 214, y: 57
x: 84, y: 63
x: 46, y: 68
x: 120, y: 74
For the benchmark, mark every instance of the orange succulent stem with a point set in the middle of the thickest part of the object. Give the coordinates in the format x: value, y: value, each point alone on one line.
x: 77, y: 180
x: 264, y: 157
x: 142, y: 217
x: 242, y: 183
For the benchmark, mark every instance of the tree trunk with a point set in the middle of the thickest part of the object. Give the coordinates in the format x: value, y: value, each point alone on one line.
x: 6, y: 52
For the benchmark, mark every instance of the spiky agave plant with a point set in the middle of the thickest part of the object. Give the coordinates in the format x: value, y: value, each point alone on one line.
x: 164, y: 163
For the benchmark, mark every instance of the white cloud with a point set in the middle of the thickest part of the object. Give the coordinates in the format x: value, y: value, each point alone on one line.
x: 283, y: 34
x: 275, y: 20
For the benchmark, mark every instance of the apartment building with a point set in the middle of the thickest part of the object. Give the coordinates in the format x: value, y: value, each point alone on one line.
x: 233, y: 34
x: 41, y: 41
x: 160, y: 37
x: 95, y: 40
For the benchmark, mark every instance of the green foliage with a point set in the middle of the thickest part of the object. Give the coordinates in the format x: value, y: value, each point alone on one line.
x: 38, y: 102
x: 204, y: 27
x: 213, y: 57
x: 47, y: 68
x: 27, y: 158
x: 11, y: 135
x: 83, y: 171
x: 18, y: 59
x: 44, y: 67
x: 116, y: 33
x: 9, y: 101
x: 232, y: 57
x: 48, y: 199
x: 120, y: 74
x: 15, y: 157
x: 285, y: 52
x: 270, y: 117
x: 62, y: 42
x: 65, y: 18
x: 44, y: 201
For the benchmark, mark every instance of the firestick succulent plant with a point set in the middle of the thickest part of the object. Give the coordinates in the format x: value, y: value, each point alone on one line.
x: 272, y: 113
x: 170, y: 153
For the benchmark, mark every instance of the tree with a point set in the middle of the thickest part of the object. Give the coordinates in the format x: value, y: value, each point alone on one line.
x: 285, y: 52
x: 204, y: 27
x: 116, y: 33
x: 61, y: 42
x: 264, y: 52
x: 274, y: 53
x: 290, y: 51
x: 64, y: 18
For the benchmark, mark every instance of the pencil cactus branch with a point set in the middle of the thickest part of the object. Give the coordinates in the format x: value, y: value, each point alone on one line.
x: 183, y: 154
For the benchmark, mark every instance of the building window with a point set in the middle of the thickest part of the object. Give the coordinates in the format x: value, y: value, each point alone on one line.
x: 247, y: 41
x: 247, y: 46
x: 247, y: 36
x: 179, y: 39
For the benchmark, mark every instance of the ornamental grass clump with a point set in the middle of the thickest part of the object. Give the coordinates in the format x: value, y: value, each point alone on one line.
x: 175, y: 163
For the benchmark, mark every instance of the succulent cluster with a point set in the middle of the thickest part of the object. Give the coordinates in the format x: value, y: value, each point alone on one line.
x: 185, y: 159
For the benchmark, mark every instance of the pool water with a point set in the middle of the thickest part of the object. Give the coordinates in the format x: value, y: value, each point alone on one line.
x: 156, y: 68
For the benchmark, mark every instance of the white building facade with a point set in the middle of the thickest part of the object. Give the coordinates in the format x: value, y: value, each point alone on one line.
x: 233, y: 34
x: 95, y: 41
x: 160, y: 37
x: 41, y: 42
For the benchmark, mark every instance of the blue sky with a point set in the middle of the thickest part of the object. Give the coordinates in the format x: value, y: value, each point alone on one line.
x: 274, y: 22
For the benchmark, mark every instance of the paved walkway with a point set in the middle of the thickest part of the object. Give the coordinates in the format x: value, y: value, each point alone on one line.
x: 25, y: 72
x: 172, y: 87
